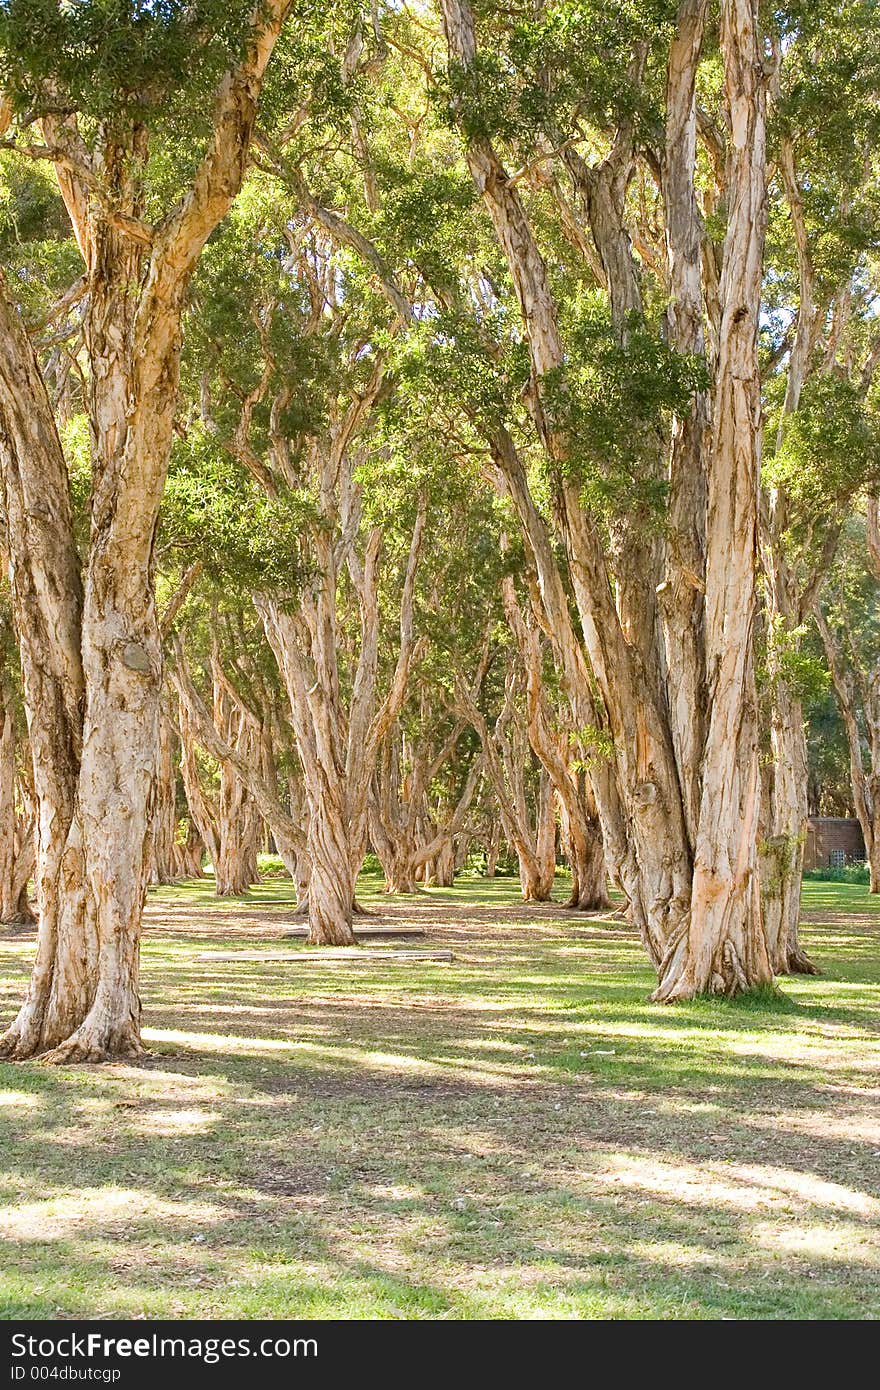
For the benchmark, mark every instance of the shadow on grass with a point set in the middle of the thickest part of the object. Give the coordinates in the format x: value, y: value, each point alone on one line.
x: 519, y: 1134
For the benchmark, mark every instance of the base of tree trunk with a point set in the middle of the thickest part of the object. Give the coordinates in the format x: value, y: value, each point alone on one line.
x: 536, y: 895
x: 331, y: 934
x: 727, y: 974
x: 797, y: 962
x: 96, y: 1045
x: 91, y: 1042
x: 587, y: 902
x: 21, y: 917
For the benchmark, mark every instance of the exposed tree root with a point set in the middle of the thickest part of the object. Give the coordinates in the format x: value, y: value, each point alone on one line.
x: 86, y: 1046
x: 797, y: 962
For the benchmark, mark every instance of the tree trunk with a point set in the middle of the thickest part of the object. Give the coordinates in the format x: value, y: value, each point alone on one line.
x: 874, y: 859
x: 682, y: 592
x: 493, y: 849
x: 723, y: 948
x: 319, y: 726
x: 443, y: 875
x: 393, y: 815
x: 163, y: 865
x: 400, y: 870
x: 188, y: 854
x: 679, y: 814
x: 234, y: 870
x: 784, y: 835
x: 338, y: 746
x: 17, y: 853
x: 537, y: 870
x: 332, y: 878
x: 585, y: 853
x: 581, y: 830
x: 865, y: 784
x: 47, y: 603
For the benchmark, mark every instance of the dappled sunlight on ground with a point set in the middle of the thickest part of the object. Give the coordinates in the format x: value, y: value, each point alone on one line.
x: 58, y: 1217
x: 517, y: 1133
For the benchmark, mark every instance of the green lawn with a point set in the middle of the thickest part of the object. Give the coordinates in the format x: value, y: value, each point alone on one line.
x: 517, y: 1134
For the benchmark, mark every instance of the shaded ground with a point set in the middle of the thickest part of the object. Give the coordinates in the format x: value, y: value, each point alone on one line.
x: 516, y: 1134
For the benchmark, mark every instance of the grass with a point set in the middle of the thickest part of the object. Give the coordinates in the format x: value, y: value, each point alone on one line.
x: 519, y: 1134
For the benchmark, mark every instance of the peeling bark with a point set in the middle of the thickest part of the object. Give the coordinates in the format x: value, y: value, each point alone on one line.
x: 724, y: 949
x: 17, y: 850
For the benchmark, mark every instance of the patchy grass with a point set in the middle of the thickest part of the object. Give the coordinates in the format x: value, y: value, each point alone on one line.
x: 517, y: 1134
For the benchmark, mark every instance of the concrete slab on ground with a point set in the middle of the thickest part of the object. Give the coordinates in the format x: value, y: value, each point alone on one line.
x: 364, y: 932
x: 349, y: 955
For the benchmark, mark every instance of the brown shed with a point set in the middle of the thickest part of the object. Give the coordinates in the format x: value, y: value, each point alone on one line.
x: 833, y: 841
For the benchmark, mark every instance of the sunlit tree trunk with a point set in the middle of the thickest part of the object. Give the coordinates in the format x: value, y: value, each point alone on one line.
x: 864, y: 779
x: 235, y: 868
x: 163, y: 866
x: 724, y: 948
x: 91, y: 654
x: 198, y: 724
x: 784, y: 827
x: 188, y: 853
x: 582, y: 836
x: 506, y: 756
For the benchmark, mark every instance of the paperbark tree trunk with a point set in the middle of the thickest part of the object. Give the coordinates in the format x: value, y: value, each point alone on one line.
x: 786, y: 775
x: 582, y: 836
x: 336, y: 834
x: 506, y: 753
x: 188, y: 854
x: 493, y: 849
x: 397, y: 799
x: 865, y: 781
x: 723, y: 949
x: 538, y: 871
x: 443, y: 872
x: 782, y: 844
x: 399, y: 829
x: 17, y: 852
x: 235, y: 868
x: 639, y: 791
x: 163, y: 860
x: 47, y: 602
x: 682, y: 593
x: 584, y: 851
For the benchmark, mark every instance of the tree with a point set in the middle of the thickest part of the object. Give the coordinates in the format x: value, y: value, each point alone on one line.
x: 89, y: 639
x: 691, y: 828
x: 847, y: 622
x: 17, y: 849
x: 823, y: 233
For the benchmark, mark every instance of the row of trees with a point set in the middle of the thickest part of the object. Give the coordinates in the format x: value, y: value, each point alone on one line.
x: 488, y: 396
